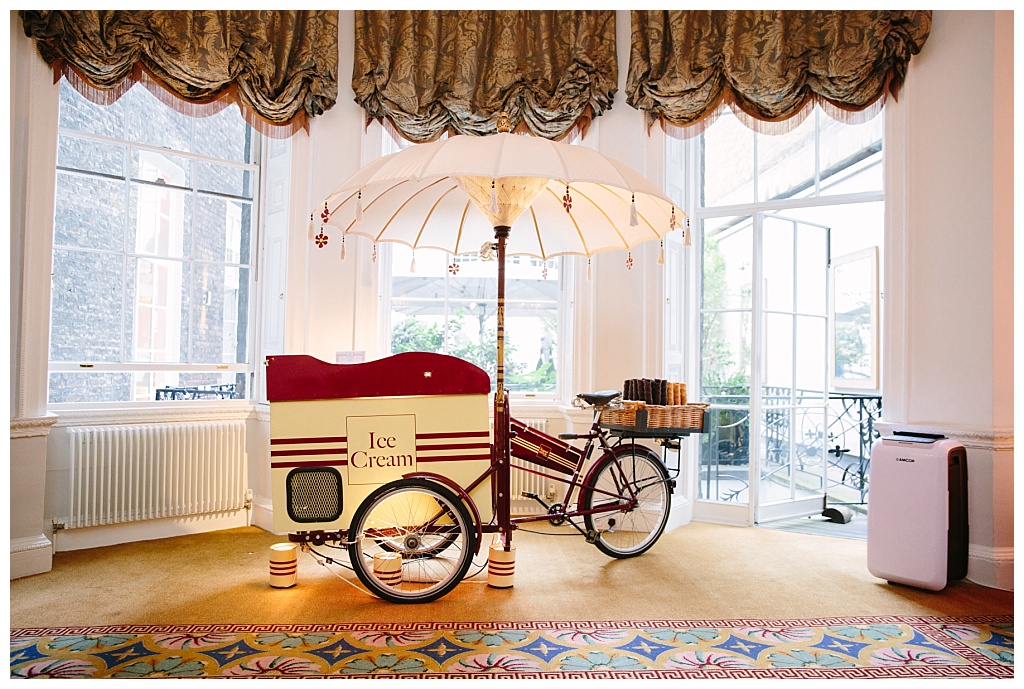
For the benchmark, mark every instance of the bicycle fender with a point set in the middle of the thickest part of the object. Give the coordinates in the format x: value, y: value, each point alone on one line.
x: 463, y: 495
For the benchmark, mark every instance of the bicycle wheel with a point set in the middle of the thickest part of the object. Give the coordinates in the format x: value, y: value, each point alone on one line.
x: 630, y: 531
x: 411, y: 541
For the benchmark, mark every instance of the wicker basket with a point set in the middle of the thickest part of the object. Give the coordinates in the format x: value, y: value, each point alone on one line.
x: 659, y: 416
x: 692, y: 415
x: 621, y: 416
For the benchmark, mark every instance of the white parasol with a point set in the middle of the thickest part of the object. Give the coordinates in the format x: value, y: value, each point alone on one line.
x: 535, y: 196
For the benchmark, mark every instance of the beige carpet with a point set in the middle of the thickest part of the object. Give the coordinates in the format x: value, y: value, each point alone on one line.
x: 698, y: 571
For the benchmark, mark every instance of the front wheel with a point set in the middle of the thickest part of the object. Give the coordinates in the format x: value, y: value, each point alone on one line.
x: 629, y: 471
x: 412, y: 541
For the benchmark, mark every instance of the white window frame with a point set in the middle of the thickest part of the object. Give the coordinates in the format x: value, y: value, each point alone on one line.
x: 253, y: 347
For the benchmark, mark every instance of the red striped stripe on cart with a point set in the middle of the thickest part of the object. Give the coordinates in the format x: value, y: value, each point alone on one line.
x: 430, y: 447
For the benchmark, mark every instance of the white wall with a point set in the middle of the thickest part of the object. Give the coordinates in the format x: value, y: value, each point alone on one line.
x: 949, y: 271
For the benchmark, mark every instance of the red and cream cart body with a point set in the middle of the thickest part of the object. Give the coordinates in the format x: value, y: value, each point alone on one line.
x: 340, y: 431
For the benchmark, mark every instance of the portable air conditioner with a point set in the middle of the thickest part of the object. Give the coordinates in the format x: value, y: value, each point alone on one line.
x: 917, y: 510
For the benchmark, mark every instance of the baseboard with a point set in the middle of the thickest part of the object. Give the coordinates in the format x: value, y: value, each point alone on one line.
x: 991, y: 567
x: 151, y: 529
x: 31, y: 555
x: 263, y: 513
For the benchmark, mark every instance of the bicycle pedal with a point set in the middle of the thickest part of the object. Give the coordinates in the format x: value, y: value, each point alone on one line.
x: 591, y: 536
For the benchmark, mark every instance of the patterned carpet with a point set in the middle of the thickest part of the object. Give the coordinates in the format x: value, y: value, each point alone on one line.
x: 853, y: 647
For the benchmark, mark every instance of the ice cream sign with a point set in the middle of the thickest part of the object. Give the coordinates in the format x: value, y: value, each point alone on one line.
x: 381, y: 448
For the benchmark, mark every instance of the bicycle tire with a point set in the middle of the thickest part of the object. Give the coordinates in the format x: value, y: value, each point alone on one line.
x: 399, y: 518
x: 632, y: 532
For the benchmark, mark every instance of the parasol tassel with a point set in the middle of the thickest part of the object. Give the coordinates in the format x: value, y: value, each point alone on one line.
x: 312, y: 232
x: 493, y: 206
x: 359, y: 206
x: 672, y: 223
x: 342, y: 247
x: 686, y: 233
x: 661, y: 253
x: 633, y: 220
x: 412, y: 265
x: 588, y: 268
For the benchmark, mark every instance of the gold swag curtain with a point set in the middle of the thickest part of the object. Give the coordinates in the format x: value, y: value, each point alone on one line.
x: 769, y: 66
x: 279, y: 66
x: 425, y: 72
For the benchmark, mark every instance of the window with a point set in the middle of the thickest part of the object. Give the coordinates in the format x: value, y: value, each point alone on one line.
x: 152, y: 252
x: 771, y: 214
x: 448, y: 304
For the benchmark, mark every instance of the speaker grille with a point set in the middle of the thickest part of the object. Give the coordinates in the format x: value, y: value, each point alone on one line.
x: 314, y: 495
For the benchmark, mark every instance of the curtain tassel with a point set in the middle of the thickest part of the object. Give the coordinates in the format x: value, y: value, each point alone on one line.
x: 633, y: 219
x: 359, y: 206
x: 493, y: 206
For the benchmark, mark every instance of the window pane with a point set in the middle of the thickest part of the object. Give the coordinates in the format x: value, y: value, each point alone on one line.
x: 91, y: 156
x: 223, y: 229
x: 89, y: 387
x: 449, y: 305
x: 161, y: 221
x: 786, y: 162
x: 157, y: 329
x: 151, y: 122
x: 725, y: 355
x: 219, y: 314
x: 225, y: 179
x: 728, y: 163
x: 727, y: 259
x: 79, y: 114
x: 89, y: 212
x: 851, y: 156
x: 725, y: 457
x: 161, y: 168
x: 225, y: 136
x: 85, y: 309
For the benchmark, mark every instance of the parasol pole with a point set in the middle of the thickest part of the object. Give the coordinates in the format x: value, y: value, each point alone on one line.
x: 502, y: 425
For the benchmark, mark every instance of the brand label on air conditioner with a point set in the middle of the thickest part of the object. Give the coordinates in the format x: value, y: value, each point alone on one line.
x: 380, y: 448
x: 905, y: 459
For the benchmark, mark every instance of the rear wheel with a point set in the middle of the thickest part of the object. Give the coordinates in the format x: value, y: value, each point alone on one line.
x: 631, y: 470
x: 412, y: 541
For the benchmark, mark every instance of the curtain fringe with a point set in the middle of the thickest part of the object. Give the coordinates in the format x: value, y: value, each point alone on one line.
x: 207, y: 108
x: 769, y: 127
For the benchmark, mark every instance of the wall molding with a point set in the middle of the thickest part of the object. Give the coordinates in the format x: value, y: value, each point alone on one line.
x: 172, y: 413
x: 32, y: 427
x: 31, y: 555
x: 991, y: 566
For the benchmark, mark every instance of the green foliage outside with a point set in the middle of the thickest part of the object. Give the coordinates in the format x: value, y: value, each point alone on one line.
x: 415, y: 335
x: 721, y: 373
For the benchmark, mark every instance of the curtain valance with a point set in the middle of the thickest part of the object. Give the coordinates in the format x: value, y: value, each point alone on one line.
x: 279, y: 66
x: 425, y: 72
x: 769, y: 66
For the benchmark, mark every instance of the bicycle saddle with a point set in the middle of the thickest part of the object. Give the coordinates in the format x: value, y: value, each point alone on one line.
x: 599, y: 399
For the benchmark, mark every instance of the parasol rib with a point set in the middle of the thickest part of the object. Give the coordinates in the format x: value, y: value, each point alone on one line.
x: 583, y: 242
x: 536, y: 229
x: 440, y: 198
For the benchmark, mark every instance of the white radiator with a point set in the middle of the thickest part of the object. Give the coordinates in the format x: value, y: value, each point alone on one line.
x: 131, y: 473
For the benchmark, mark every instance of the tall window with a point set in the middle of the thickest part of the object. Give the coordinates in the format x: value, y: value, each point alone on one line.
x: 773, y: 215
x: 448, y: 304
x: 152, y: 252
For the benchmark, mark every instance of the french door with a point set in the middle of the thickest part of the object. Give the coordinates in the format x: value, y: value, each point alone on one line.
x: 764, y: 368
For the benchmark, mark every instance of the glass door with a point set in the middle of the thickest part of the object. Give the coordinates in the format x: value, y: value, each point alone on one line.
x: 764, y: 354
x: 792, y: 368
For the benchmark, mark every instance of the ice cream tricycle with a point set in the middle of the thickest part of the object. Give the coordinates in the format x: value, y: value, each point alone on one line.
x: 395, y: 461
